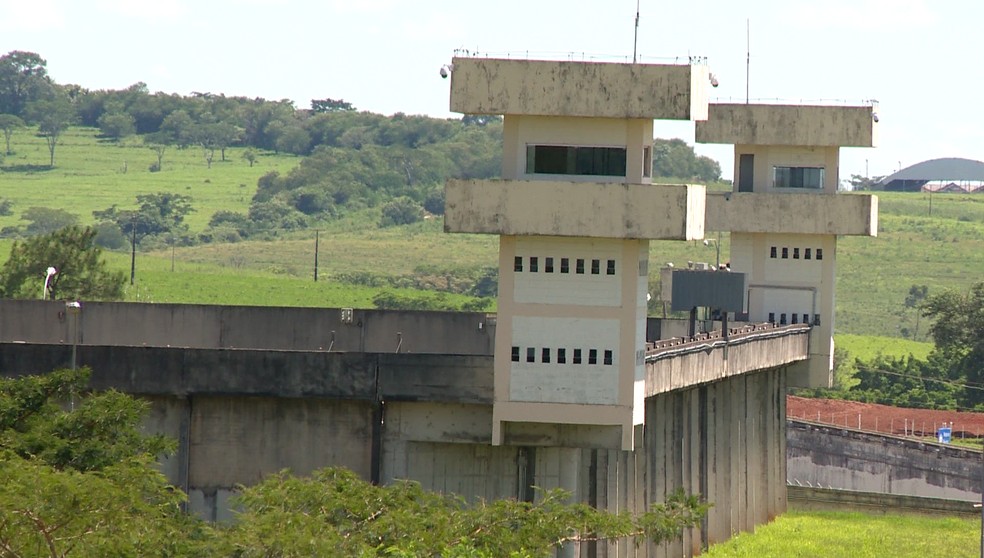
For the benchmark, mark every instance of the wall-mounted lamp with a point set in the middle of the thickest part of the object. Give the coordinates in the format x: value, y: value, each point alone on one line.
x: 446, y: 70
x: 47, y: 277
x: 874, y: 116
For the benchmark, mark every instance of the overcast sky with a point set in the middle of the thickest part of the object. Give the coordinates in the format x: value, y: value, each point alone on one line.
x: 920, y: 59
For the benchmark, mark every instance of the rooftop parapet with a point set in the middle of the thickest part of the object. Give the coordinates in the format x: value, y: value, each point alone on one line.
x: 579, y: 209
x: 582, y: 89
x: 800, y: 125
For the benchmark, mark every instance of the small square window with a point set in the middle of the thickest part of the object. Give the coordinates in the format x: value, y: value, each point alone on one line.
x: 785, y: 256
x: 579, y: 269
x: 595, y: 267
x: 772, y: 317
x: 530, y: 354
x: 819, y: 253
x: 592, y: 356
x: 518, y: 263
x: 548, y: 265
x: 796, y: 253
x: 515, y: 354
x: 565, y: 265
x: 611, y: 267
x: 545, y: 355
x: 608, y: 358
x: 561, y: 356
x: 577, y: 356
x: 807, y: 253
x: 534, y: 264
x: 773, y: 252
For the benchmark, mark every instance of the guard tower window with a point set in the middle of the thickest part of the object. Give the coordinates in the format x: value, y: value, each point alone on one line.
x: 773, y: 252
x: 795, y: 318
x: 608, y: 357
x: 548, y: 265
x: 515, y: 354
x: 647, y: 161
x: 797, y: 177
x: 530, y: 354
x: 785, y: 256
x: 796, y: 253
x: 807, y: 253
x: 595, y: 267
x: 518, y: 263
x: 565, y: 265
x: 534, y: 264
x: 580, y: 266
x: 806, y: 318
x: 592, y: 356
x: 611, y: 267
x: 562, y: 356
x: 772, y: 317
x: 545, y: 355
x: 566, y: 159
x: 819, y: 253
x: 577, y: 356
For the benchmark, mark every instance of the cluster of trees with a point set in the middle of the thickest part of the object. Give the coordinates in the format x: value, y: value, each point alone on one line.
x: 951, y: 377
x: 78, y: 478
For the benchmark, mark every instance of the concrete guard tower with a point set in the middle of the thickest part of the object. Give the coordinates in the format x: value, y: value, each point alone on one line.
x: 785, y: 214
x: 574, y: 210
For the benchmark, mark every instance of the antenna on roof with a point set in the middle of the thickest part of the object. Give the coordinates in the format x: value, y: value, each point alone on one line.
x: 748, y: 55
x: 635, y: 39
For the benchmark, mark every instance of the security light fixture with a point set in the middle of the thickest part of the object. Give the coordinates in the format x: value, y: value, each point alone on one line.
x: 446, y: 70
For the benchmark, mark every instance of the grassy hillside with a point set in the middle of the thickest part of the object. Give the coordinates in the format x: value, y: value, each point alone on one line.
x: 942, y: 250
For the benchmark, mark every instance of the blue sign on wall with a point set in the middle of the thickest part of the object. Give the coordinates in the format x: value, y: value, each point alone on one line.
x: 943, y: 435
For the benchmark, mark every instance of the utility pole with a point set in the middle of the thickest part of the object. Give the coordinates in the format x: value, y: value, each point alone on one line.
x: 133, y: 248
x: 317, y: 238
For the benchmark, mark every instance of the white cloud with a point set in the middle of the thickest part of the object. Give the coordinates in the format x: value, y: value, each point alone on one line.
x: 38, y: 15
x: 868, y: 15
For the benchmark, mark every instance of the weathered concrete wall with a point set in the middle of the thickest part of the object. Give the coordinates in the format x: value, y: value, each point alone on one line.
x: 792, y: 213
x: 711, y: 358
x: 590, y: 89
x: 789, y: 125
x: 804, y: 498
x: 860, y: 461
x: 253, y: 327
x: 577, y: 209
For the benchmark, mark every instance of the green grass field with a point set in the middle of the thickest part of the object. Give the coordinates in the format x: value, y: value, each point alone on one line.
x: 867, y: 347
x: 942, y: 250
x: 855, y: 535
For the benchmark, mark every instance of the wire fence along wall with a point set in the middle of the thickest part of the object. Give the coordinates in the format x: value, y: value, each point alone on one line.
x: 877, y: 423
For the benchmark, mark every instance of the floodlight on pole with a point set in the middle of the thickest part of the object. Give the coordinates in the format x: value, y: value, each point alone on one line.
x: 47, y: 277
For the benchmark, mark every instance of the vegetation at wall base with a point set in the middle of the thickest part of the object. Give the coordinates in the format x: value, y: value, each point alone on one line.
x: 855, y: 535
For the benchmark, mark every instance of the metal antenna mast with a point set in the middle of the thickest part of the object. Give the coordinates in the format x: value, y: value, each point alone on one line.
x: 635, y: 40
x: 748, y: 55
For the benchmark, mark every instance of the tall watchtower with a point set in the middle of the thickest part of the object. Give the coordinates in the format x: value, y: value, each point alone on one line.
x: 785, y: 214
x: 574, y: 210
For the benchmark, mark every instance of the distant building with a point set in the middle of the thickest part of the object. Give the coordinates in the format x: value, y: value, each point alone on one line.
x: 949, y: 175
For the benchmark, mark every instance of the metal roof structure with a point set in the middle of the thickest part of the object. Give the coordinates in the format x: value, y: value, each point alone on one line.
x: 913, y: 178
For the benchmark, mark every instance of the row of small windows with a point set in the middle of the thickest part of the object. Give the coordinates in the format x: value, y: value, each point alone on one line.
x: 794, y: 318
x: 808, y: 253
x: 565, y: 265
x: 547, y: 354
x: 569, y: 159
x: 797, y: 177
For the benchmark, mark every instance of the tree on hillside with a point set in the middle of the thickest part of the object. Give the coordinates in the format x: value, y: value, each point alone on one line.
x: 159, y: 213
x: 673, y: 158
x: 330, y: 105
x: 82, y: 274
x: 23, y: 80
x: 401, y: 211
x: 9, y: 124
x: 177, y: 129
x: 958, y: 331
x: 117, y: 125
x: 44, y: 220
x: 52, y: 116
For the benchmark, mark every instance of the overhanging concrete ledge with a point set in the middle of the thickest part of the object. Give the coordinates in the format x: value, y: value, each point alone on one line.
x: 816, y: 125
x: 792, y: 213
x: 578, y: 209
